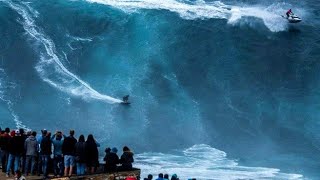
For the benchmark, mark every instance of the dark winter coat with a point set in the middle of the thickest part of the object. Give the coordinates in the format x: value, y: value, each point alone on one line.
x: 16, y: 145
x: 68, y: 146
x: 4, y: 141
x: 80, y: 152
x: 126, y: 160
x: 45, y: 145
x: 92, y: 154
x: 112, y: 160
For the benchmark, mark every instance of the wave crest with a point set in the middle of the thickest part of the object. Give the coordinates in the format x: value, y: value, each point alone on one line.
x: 271, y: 15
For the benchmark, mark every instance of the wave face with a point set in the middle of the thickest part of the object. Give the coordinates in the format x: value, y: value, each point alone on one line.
x: 230, y: 74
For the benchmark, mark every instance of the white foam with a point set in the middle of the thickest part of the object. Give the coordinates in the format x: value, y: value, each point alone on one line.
x: 50, y: 68
x: 204, y: 162
x: 187, y: 11
x: 6, y: 86
x: 270, y: 15
x: 80, y: 39
x: 271, y: 19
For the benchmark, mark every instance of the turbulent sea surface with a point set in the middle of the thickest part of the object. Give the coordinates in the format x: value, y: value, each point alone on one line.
x: 219, y: 89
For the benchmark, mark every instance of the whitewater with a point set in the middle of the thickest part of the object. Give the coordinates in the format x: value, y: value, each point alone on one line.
x: 191, y: 10
x: 219, y: 89
x: 204, y: 162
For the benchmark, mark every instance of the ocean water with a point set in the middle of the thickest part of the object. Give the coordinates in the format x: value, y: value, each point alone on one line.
x: 219, y: 89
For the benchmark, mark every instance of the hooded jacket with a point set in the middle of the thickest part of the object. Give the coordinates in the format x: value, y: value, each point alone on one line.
x: 57, y: 144
x: 31, y: 146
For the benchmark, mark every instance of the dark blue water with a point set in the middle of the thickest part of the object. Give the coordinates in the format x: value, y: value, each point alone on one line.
x: 233, y: 75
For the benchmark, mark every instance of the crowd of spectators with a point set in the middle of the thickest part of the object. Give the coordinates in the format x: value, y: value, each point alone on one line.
x: 162, y: 176
x: 28, y: 153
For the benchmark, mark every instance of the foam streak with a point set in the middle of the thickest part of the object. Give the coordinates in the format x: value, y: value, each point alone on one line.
x: 51, y: 68
x: 5, y: 86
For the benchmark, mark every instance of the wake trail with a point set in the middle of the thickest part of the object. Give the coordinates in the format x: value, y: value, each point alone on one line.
x: 50, y: 68
x: 270, y: 15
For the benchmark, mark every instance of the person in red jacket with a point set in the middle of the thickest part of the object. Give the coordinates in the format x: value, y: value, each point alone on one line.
x: 131, y: 177
x: 289, y: 12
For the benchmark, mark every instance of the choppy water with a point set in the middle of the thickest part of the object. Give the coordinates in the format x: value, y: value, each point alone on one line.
x: 233, y: 75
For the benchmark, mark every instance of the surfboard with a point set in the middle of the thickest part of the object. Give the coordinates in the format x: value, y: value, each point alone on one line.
x: 125, y: 103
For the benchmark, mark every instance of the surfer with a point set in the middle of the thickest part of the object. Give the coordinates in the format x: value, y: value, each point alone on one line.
x: 125, y: 99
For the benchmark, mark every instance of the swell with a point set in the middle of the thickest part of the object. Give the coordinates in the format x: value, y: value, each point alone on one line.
x: 50, y: 68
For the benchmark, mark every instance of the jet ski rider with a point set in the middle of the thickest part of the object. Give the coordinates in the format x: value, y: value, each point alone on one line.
x: 289, y: 12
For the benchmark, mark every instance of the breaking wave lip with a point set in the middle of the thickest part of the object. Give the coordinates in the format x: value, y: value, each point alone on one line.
x: 50, y: 68
x: 5, y: 86
x: 200, y: 9
x: 204, y: 162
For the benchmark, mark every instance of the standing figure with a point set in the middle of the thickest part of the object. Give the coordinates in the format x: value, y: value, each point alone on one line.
x: 91, y: 151
x: 68, y: 153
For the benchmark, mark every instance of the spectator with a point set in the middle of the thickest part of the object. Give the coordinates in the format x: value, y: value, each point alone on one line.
x: 1, y: 133
x: 80, y: 155
x: 4, y: 141
x: 166, y: 177
x: 31, y: 148
x: 160, y: 177
x: 45, y: 153
x: 112, y: 159
x: 149, y: 177
x: 39, y: 140
x: 68, y: 153
x: 16, y: 149
x: 174, y: 177
x: 23, y: 156
x: 57, y: 141
x: 91, y: 150
x: 107, y: 151
x: 126, y: 159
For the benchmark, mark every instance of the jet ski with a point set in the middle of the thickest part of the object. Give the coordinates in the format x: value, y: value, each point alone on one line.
x: 125, y: 100
x: 292, y: 18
